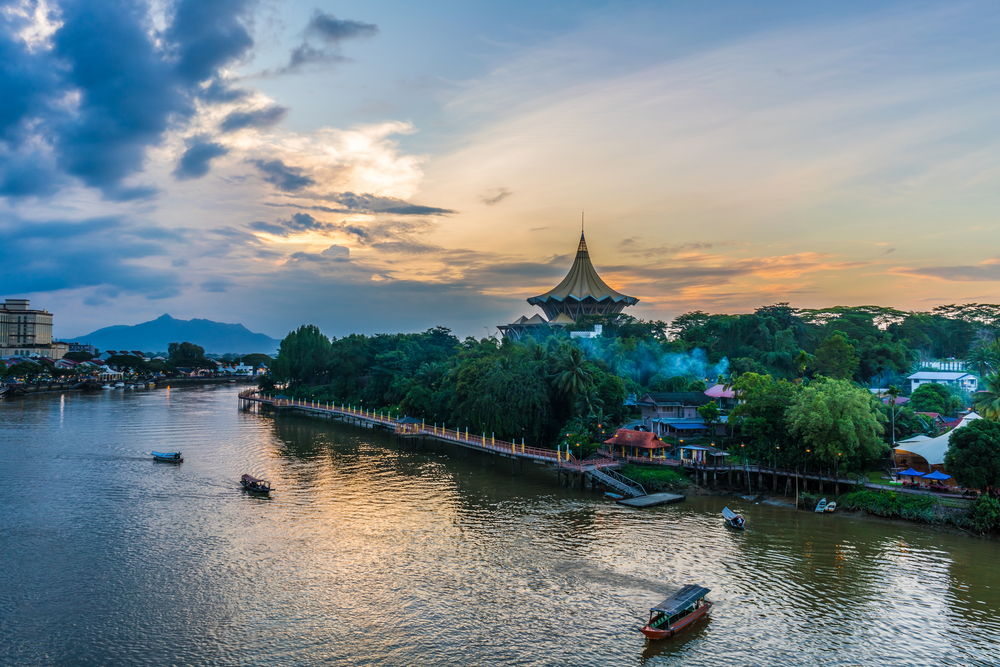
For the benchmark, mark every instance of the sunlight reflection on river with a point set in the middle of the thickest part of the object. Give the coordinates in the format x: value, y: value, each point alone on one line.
x: 370, y: 555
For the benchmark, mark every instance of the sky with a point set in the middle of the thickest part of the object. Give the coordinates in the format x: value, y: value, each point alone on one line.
x: 380, y: 167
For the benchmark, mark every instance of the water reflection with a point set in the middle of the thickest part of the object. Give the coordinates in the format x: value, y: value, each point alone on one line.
x: 368, y: 553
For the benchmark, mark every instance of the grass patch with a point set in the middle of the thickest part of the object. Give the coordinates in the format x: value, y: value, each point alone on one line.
x: 892, y: 505
x: 658, y: 478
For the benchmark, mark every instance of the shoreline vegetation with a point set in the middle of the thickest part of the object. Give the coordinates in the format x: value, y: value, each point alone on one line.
x: 802, y: 389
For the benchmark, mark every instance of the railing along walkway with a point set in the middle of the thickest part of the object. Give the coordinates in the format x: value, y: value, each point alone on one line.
x: 483, y: 442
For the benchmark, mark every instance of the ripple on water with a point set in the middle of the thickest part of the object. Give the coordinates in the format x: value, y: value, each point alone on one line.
x: 367, y: 554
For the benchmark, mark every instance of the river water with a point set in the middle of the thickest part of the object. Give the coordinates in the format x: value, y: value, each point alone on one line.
x: 368, y: 555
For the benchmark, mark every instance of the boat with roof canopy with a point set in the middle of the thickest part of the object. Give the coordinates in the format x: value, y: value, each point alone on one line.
x: 255, y: 485
x: 677, y: 612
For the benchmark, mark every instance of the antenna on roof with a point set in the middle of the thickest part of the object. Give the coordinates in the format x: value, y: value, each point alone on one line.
x: 581, y: 222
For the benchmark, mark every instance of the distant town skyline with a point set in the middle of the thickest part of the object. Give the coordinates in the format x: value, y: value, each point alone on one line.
x: 384, y: 166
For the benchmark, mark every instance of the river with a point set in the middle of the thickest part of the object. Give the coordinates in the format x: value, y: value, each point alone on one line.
x: 368, y: 555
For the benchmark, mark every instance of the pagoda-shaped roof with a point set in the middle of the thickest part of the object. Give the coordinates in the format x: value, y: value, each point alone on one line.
x: 582, y: 282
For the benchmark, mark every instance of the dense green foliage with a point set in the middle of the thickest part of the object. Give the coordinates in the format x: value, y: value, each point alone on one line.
x: 915, y: 507
x: 838, y: 422
x: 984, y: 514
x: 656, y: 478
x: 932, y: 397
x: 973, y: 456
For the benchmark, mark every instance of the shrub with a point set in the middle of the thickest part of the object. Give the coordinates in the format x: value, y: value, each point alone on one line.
x: 985, y: 514
x: 656, y: 479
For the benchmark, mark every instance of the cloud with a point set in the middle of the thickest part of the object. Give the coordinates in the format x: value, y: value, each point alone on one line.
x: 99, y: 87
x: 258, y: 119
x: 108, y: 253
x: 219, y: 91
x: 216, y: 285
x: 367, y: 203
x: 331, y: 31
x: 208, y: 35
x: 988, y: 270
x: 195, y: 161
x: 636, y: 247
x: 277, y: 173
x: 495, y: 196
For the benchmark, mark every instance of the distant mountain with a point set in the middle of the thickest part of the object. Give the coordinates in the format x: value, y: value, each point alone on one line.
x: 156, y: 335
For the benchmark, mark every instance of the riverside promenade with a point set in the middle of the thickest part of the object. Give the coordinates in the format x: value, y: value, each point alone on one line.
x: 411, y: 429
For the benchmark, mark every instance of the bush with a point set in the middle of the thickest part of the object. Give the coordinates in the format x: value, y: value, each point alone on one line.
x: 985, y: 514
x: 892, y: 505
x: 658, y: 478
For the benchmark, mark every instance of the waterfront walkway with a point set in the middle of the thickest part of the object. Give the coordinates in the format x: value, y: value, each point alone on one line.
x: 410, y: 429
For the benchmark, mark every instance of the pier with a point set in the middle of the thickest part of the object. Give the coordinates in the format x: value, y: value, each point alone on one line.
x: 598, y: 470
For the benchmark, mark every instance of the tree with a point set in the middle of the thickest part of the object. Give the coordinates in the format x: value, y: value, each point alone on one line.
x: 986, y: 401
x: 760, y: 414
x: 836, y: 358
x: 973, y: 456
x: 78, y: 356
x: 302, y: 357
x: 838, y: 422
x: 256, y: 359
x: 187, y: 354
x: 933, y: 397
x: 710, y: 413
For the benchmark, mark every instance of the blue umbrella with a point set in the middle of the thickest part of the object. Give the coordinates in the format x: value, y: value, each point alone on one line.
x: 912, y: 473
x: 937, y: 476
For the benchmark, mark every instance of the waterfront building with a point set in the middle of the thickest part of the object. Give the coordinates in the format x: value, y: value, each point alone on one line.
x: 673, y: 413
x: 965, y: 381
x: 25, y: 332
x: 927, y: 454
x: 581, y: 292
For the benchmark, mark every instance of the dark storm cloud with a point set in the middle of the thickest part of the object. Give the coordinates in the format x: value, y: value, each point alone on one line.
x: 125, y: 85
x: 258, y: 119
x: 283, y: 177
x: 195, y: 161
x: 331, y: 31
x: 99, y: 252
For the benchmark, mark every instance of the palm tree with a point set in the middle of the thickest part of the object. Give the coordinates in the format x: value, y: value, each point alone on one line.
x: 983, y: 358
x: 986, y: 401
x: 572, y: 375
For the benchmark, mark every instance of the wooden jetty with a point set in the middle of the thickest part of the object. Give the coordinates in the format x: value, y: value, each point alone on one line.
x: 597, y: 470
x: 652, y: 500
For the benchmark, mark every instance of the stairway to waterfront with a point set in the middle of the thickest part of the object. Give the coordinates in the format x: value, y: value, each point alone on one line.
x: 618, y: 481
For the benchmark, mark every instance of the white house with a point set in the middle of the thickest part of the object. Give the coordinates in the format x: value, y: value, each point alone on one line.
x: 965, y: 381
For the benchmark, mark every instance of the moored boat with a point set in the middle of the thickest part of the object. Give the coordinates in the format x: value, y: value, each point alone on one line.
x: 168, y: 457
x: 255, y: 485
x: 733, y: 520
x: 831, y: 506
x: 821, y: 505
x: 613, y: 496
x: 677, y: 612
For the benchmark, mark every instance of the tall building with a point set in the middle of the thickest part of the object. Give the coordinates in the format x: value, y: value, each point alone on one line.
x: 24, y: 332
x: 581, y: 292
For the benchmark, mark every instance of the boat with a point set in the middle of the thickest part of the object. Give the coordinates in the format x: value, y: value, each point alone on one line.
x: 821, y: 505
x: 119, y: 385
x: 733, y: 520
x: 613, y: 496
x: 830, y: 507
x: 169, y: 457
x: 255, y: 485
x: 107, y: 386
x: 677, y: 612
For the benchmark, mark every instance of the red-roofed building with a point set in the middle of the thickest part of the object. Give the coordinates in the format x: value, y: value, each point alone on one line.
x: 724, y: 398
x: 639, y: 444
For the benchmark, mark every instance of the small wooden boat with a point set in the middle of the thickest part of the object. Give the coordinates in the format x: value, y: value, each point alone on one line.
x: 255, y: 485
x: 733, y: 520
x: 830, y: 507
x: 168, y: 457
x: 821, y: 505
x: 613, y: 496
x: 677, y: 612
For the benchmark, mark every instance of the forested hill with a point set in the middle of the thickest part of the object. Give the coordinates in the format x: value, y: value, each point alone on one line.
x: 156, y: 335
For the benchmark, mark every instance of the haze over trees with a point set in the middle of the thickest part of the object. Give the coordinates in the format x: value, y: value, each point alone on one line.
x: 802, y: 375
